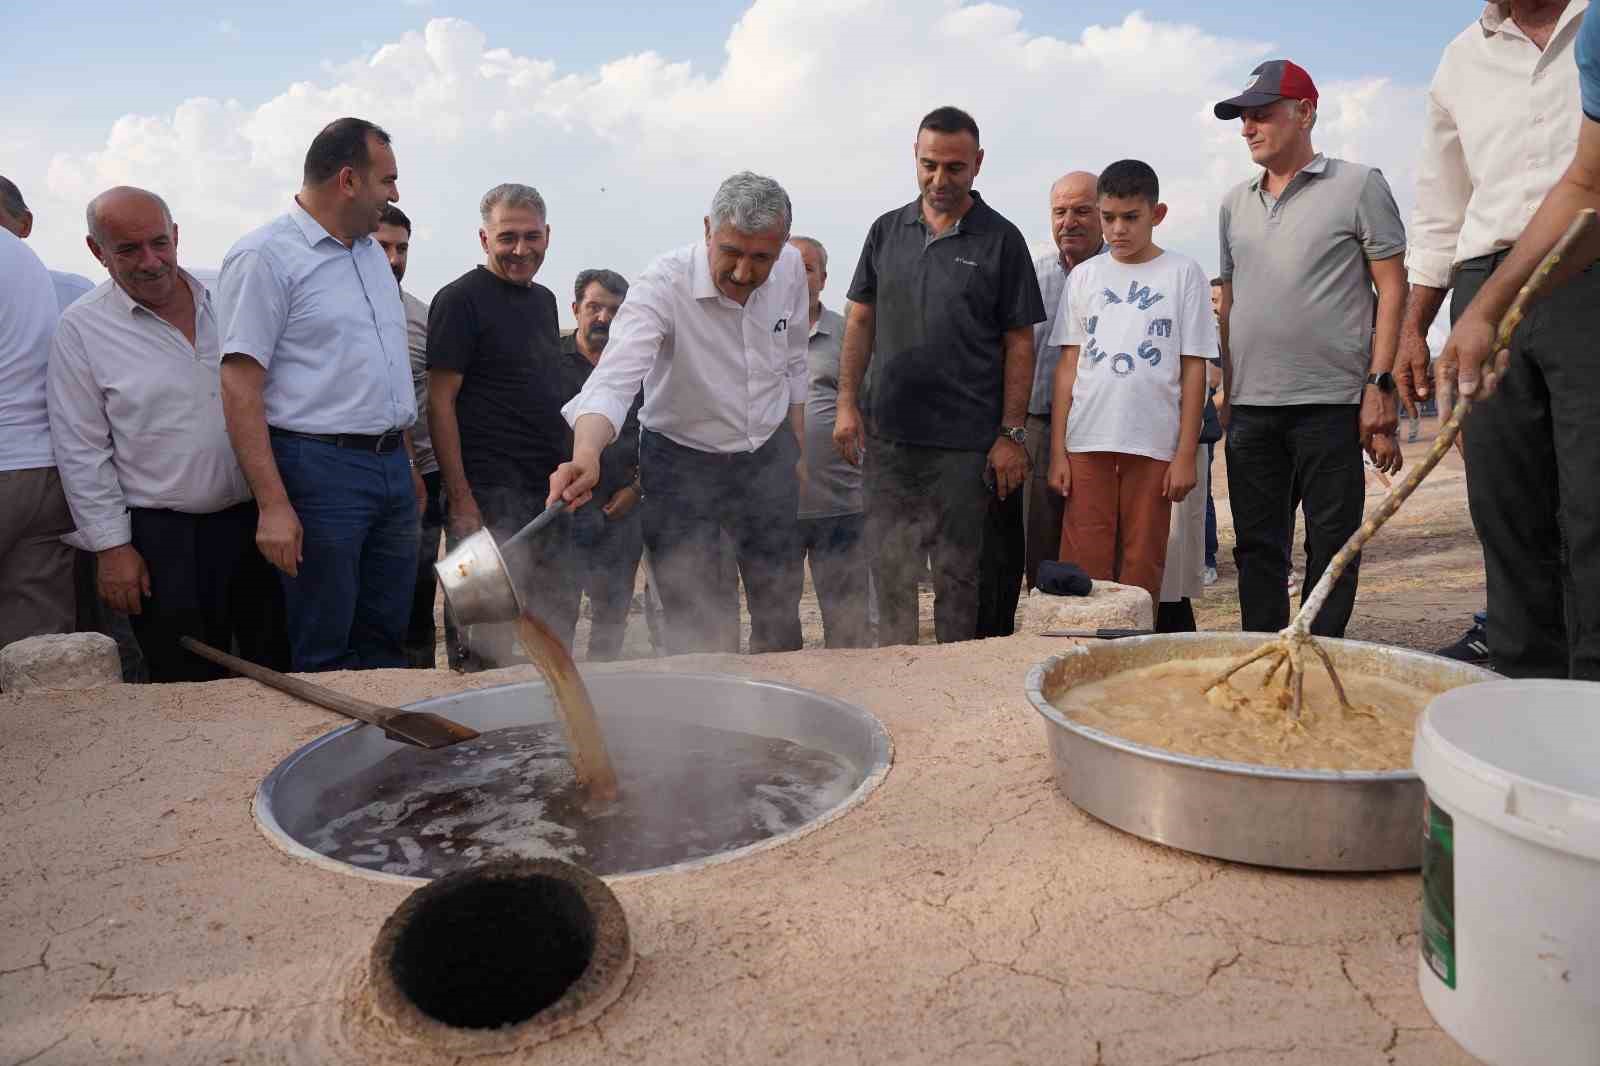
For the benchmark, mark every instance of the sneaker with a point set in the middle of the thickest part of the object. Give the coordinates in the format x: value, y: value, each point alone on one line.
x: 1209, y: 575
x: 1472, y: 648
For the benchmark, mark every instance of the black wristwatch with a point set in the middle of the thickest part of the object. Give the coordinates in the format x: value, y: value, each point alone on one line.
x: 1384, y: 381
x: 1018, y: 434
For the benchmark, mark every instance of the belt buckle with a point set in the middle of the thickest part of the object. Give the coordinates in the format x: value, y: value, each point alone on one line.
x: 387, y: 442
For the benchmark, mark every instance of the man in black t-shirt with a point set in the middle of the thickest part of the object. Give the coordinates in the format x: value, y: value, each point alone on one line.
x: 608, y: 537
x: 942, y: 311
x: 495, y: 390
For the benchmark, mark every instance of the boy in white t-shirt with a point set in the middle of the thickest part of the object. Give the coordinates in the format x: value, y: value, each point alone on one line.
x: 1136, y: 331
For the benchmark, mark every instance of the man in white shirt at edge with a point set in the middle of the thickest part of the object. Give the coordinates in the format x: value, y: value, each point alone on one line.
x: 15, y: 216
x: 716, y: 332
x: 136, y: 421
x: 35, y: 566
x: 317, y: 393
x: 1502, y: 123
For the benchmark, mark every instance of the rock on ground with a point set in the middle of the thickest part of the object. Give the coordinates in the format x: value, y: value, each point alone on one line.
x: 60, y: 661
x: 1108, y: 606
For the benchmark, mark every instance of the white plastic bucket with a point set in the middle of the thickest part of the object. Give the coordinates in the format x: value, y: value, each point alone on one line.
x: 1510, y: 943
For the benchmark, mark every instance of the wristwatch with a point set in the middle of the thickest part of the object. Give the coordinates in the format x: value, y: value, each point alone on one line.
x: 1384, y: 381
x: 1018, y: 434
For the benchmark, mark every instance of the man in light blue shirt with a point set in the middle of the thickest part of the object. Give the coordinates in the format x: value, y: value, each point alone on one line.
x: 317, y: 392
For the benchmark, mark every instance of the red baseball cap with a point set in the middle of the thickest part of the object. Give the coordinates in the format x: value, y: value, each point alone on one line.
x: 1274, y: 80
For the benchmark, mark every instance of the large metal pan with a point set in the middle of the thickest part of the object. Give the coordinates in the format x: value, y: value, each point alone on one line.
x: 1297, y: 819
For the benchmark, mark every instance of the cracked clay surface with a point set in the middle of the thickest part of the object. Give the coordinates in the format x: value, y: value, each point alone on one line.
x: 966, y: 913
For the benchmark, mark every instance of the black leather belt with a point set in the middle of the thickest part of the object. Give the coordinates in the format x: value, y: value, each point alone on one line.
x: 382, y: 443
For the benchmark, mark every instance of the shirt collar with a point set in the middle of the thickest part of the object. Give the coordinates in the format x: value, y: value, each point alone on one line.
x: 705, y: 287
x: 312, y: 230
x: 1317, y: 167
x: 971, y: 222
x: 822, y: 328
x: 1496, y: 19
x: 128, y: 305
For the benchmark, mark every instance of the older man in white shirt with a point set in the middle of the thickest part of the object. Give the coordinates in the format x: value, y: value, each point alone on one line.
x: 1502, y: 124
x: 717, y: 333
x: 35, y: 566
x: 317, y: 392
x: 136, y: 421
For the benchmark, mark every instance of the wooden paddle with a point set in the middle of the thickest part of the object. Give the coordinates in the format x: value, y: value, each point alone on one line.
x: 422, y: 728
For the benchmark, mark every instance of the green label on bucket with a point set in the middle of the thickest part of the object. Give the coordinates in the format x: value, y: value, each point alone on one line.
x: 1439, y: 892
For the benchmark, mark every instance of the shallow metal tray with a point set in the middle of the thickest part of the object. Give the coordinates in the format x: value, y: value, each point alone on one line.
x: 1297, y: 819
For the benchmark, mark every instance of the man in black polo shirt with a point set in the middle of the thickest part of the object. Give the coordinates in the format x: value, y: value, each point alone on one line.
x: 495, y: 391
x: 608, y: 538
x: 943, y: 306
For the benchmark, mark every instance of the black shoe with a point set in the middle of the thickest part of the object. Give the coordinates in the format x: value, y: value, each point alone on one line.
x: 1472, y: 648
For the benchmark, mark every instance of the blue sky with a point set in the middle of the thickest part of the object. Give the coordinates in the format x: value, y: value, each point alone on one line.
x: 819, y: 94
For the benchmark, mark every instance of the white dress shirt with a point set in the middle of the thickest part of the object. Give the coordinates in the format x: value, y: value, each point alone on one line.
x: 1502, y: 125
x: 136, y: 415
x: 69, y: 287
x: 717, y: 377
x: 325, y: 321
x: 28, y: 315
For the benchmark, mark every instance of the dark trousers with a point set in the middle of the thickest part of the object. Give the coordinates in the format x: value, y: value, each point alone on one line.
x: 1045, y: 510
x: 421, y: 636
x: 207, y: 581
x: 543, y: 567
x: 609, y: 552
x: 94, y: 616
x: 1278, y: 454
x: 921, y: 502
x: 838, y: 556
x: 1001, y: 564
x: 690, y: 498
x: 1532, y: 452
x: 347, y: 608
x: 1211, y: 510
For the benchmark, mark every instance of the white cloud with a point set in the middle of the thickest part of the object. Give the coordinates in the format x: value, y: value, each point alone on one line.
x: 228, y: 29
x: 822, y: 94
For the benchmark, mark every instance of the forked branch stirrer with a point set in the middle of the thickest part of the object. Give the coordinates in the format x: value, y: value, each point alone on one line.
x: 1290, y: 646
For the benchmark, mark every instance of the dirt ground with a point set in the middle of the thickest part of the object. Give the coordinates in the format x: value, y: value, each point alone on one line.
x: 1421, y: 579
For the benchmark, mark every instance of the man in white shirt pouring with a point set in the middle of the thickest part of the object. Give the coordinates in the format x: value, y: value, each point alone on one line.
x: 136, y: 420
x: 1502, y: 124
x: 716, y: 332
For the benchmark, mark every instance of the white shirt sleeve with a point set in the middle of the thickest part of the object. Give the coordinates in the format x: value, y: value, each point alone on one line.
x: 252, y: 306
x: 1444, y: 188
x: 81, y: 434
x: 1197, y: 326
x: 642, y: 325
x: 799, y: 334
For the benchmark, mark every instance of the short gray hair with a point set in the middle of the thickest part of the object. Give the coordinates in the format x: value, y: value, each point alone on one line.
x: 11, y: 201
x: 822, y: 253
x: 609, y: 280
x: 512, y: 195
x: 751, y: 204
x: 92, y: 212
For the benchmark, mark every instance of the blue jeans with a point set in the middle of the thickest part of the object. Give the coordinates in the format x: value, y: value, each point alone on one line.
x: 1211, y: 510
x: 348, y: 607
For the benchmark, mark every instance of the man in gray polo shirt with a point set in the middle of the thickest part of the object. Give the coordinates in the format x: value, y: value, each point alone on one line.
x: 1306, y: 374
x: 832, y: 518
x: 943, y: 305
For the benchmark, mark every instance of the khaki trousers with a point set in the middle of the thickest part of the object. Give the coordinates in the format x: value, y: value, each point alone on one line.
x: 36, y: 590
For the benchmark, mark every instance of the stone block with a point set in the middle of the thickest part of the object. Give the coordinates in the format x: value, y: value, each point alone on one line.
x: 60, y: 661
x: 1108, y: 606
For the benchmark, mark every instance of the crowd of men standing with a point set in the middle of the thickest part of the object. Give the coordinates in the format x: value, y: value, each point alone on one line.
x: 270, y: 465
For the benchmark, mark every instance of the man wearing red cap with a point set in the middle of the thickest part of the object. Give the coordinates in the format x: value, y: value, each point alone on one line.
x: 1503, y: 122
x: 1306, y: 374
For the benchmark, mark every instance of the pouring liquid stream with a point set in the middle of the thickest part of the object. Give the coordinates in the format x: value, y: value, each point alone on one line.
x: 591, y: 760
